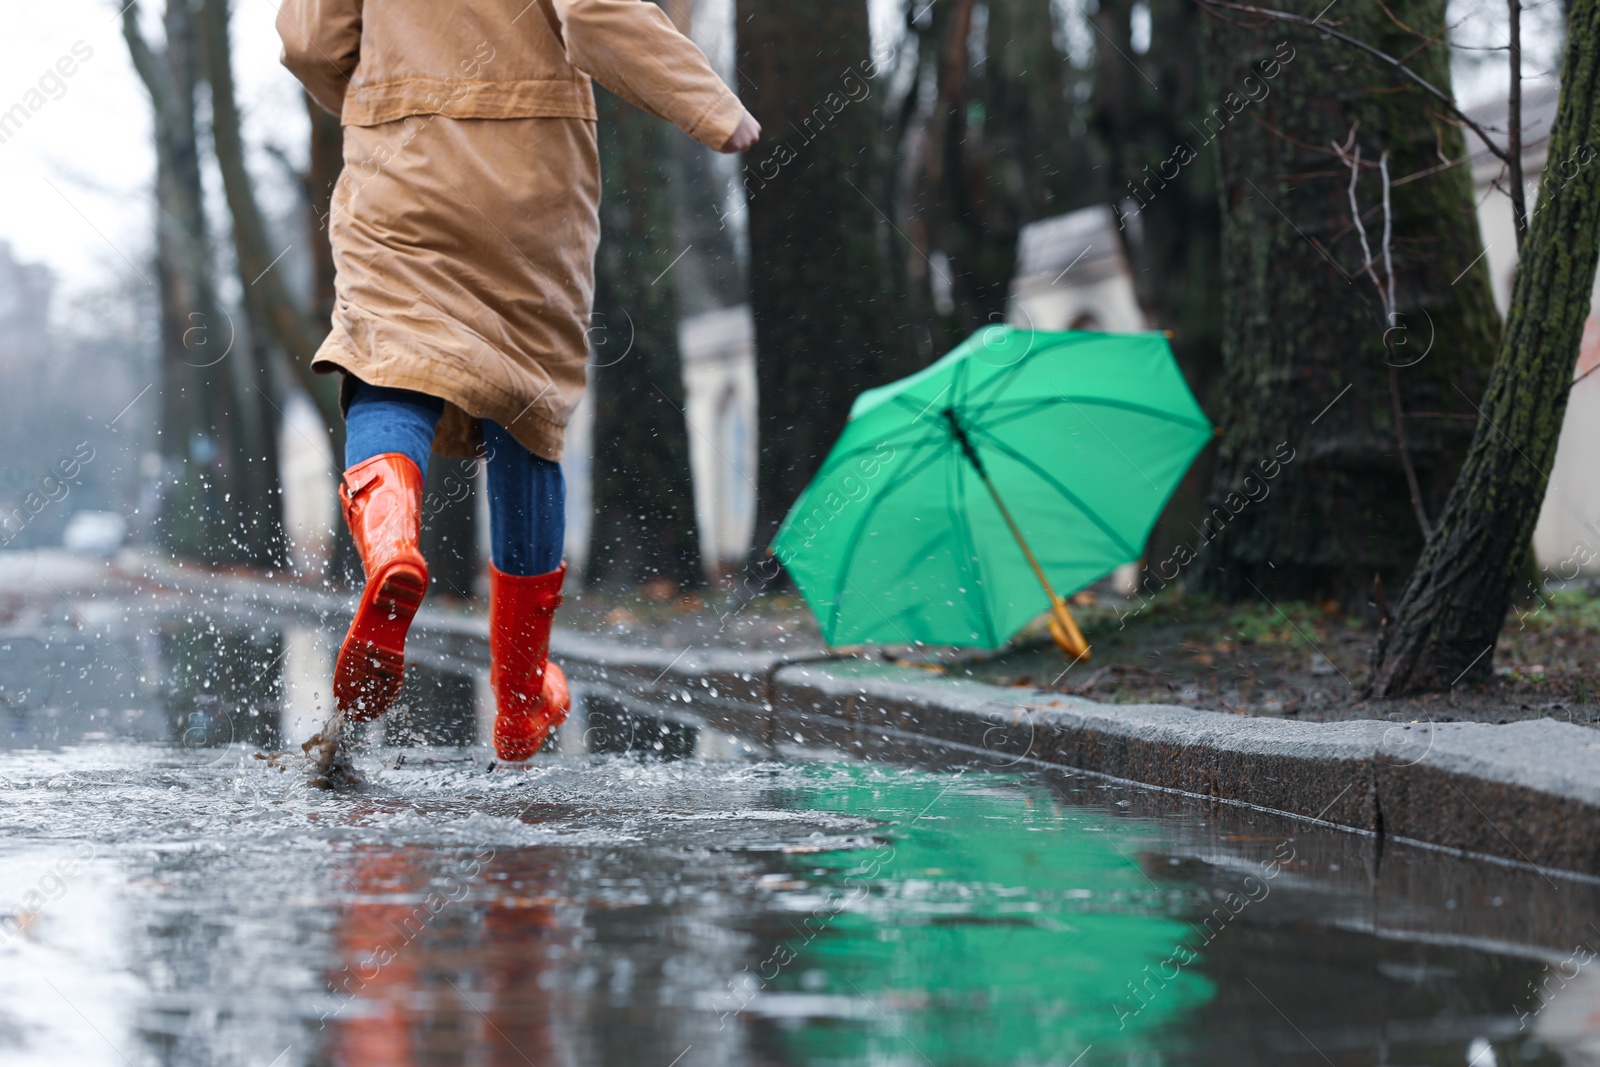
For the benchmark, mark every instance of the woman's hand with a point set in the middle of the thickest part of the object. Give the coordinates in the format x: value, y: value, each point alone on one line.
x: 748, y: 133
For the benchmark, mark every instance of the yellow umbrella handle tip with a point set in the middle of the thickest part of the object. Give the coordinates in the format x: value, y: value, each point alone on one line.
x: 1064, y: 631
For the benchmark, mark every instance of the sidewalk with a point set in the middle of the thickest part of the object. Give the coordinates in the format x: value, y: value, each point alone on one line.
x: 1524, y: 791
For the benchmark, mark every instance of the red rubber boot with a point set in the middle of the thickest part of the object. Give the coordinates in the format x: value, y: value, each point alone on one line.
x: 382, y: 500
x: 530, y: 692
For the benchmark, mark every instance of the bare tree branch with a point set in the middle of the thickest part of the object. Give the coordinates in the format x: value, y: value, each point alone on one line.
x: 1519, y: 206
x: 1350, y: 152
x: 152, y: 71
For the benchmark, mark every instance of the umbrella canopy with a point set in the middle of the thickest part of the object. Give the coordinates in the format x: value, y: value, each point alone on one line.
x: 1084, y: 436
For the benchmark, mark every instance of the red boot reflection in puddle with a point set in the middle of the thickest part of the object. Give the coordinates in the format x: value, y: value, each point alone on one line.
x: 523, y: 990
x: 435, y: 964
x: 380, y: 960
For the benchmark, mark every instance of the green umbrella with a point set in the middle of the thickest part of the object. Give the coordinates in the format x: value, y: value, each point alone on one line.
x: 918, y: 527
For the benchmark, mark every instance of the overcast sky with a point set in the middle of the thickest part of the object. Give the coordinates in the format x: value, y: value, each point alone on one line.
x: 75, y: 181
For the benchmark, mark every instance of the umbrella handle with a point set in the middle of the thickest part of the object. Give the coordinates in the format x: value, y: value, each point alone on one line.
x: 1064, y: 630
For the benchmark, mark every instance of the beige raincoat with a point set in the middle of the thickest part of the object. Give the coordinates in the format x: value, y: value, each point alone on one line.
x: 465, y: 222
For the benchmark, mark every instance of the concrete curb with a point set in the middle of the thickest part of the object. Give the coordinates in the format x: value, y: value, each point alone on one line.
x: 1308, y: 769
x: 1525, y: 792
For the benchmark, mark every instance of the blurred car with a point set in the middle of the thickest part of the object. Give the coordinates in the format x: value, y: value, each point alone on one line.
x: 98, y: 533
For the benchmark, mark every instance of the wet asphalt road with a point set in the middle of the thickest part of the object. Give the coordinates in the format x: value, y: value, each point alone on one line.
x: 653, y: 892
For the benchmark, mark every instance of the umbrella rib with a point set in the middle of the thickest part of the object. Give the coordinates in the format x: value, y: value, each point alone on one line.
x: 959, y: 519
x: 999, y: 381
x: 832, y: 463
x: 1027, y: 407
x: 1051, y: 481
x: 907, y: 403
x: 855, y: 536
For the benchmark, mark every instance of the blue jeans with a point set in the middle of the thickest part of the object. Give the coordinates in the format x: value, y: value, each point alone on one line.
x: 527, y: 495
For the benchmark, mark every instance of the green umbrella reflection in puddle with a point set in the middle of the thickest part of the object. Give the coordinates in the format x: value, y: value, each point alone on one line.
x: 959, y: 500
x: 1000, y: 926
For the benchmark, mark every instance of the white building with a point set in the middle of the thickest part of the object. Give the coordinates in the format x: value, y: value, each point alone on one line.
x: 719, y: 379
x: 1072, y: 275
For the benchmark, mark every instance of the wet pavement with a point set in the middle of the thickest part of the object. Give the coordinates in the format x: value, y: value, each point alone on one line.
x: 654, y: 892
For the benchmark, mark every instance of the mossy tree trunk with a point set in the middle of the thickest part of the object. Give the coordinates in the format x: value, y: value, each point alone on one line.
x: 1447, y: 620
x: 644, y: 519
x: 1305, y: 362
x: 816, y: 263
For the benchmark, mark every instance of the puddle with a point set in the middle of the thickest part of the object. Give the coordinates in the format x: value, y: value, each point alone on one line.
x: 655, y: 892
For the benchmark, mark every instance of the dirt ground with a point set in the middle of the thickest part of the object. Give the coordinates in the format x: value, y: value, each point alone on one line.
x: 1295, y: 660
x: 1299, y: 660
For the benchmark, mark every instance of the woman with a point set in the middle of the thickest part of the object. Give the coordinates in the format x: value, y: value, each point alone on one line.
x: 464, y: 228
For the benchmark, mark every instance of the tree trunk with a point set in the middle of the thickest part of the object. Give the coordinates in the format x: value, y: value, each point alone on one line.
x: 326, y: 163
x: 281, y: 319
x: 644, y: 520
x: 223, y: 504
x: 292, y: 332
x: 1035, y: 162
x: 266, y: 291
x: 919, y: 335
x: 1446, y: 623
x: 1172, y: 246
x: 1306, y: 412
x: 711, y: 275
x: 987, y: 124
x: 998, y: 151
x: 275, y: 324
x: 816, y: 272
